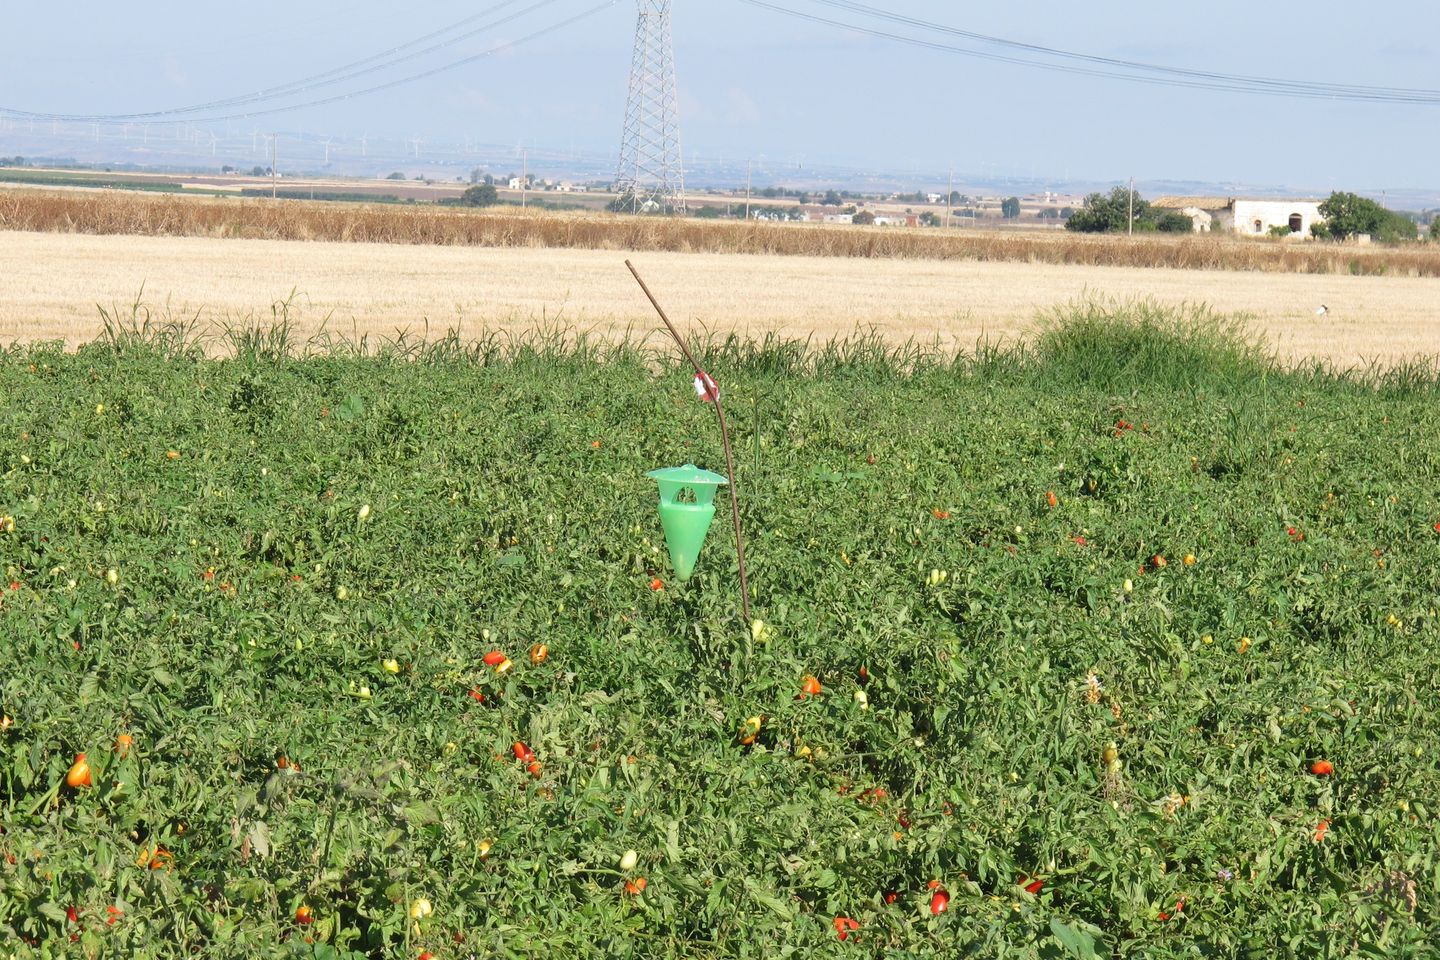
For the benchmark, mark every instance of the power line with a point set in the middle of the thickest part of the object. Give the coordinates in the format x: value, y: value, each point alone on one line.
x: 338, y: 98
x: 381, y: 61
x: 1273, y: 82
x: 369, y: 65
x: 1169, y: 76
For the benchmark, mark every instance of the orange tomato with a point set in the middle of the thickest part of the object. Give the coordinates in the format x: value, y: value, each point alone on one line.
x: 810, y: 686
x: 750, y: 730
x: 1322, y: 768
x: 637, y: 886
x: 304, y: 915
x: 79, y: 773
x: 535, y: 769
x: 539, y: 654
x: 1051, y: 499
x: 123, y: 743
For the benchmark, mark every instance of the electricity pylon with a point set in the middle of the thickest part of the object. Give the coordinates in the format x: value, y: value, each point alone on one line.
x: 651, y: 176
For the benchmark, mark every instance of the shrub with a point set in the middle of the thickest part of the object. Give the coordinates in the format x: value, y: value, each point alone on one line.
x: 480, y: 195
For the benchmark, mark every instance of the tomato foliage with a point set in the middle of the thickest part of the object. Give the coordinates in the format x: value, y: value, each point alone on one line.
x: 1071, y: 759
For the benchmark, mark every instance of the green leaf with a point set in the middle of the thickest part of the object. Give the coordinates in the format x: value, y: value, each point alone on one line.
x: 1077, y: 940
x: 764, y: 898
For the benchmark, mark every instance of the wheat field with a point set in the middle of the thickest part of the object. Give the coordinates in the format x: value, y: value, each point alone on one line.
x: 118, y: 212
x: 54, y: 283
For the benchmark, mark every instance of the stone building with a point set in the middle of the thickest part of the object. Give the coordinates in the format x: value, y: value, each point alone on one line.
x: 1248, y: 216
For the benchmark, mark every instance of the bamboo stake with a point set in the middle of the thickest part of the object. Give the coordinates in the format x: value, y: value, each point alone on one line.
x: 706, y: 379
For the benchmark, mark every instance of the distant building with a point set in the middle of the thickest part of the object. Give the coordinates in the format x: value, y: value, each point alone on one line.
x: 1254, y: 217
x: 517, y: 183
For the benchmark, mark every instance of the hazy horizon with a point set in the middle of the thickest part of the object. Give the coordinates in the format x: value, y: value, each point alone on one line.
x: 756, y: 84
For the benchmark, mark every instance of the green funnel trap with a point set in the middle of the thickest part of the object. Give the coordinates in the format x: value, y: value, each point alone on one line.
x: 687, y: 505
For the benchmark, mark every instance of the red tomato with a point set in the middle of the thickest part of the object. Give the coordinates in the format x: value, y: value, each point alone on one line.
x: 78, y: 775
x: 494, y: 658
x: 939, y: 902
x: 1322, y: 768
x: 810, y: 687
x: 657, y: 584
x: 637, y: 886
x: 535, y: 769
x: 304, y: 915
x: 1032, y: 885
x: 844, y: 926
x: 522, y: 752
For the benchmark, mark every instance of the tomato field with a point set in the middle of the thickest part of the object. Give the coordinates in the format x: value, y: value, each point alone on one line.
x: 1123, y: 644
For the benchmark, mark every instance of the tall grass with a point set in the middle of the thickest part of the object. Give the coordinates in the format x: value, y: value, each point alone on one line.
x: 131, y: 214
x: 1120, y: 347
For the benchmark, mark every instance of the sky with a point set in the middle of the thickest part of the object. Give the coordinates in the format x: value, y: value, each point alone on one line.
x: 757, y: 84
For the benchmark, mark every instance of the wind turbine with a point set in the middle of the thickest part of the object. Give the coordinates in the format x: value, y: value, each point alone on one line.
x: 328, y: 141
x: 415, y: 142
x: 364, y: 144
x: 214, y: 140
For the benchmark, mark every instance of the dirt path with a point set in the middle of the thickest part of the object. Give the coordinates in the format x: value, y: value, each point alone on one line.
x: 50, y: 285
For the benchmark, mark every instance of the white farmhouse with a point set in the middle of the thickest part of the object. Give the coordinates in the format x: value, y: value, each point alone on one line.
x: 1248, y: 216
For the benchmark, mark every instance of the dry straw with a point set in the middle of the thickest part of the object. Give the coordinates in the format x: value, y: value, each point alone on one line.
x: 113, y: 212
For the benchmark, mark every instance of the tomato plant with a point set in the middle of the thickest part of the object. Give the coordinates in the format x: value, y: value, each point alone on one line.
x: 323, y: 722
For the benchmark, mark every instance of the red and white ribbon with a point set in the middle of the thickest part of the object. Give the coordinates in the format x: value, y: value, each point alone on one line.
x: 706, y: 388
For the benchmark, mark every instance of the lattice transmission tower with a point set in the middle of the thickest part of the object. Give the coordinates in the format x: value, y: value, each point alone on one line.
x: 651, y: 176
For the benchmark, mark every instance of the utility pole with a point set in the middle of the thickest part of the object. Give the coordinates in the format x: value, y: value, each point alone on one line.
x: 274, y: 171
x: 949, y: 199
x: 747, y: 190
x: 1130, y: 219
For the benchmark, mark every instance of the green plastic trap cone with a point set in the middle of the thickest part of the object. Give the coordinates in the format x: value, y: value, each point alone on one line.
x: 687, y: 505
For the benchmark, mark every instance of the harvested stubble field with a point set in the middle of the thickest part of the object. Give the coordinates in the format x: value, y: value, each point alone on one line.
x: 133, y: 215
x: 53, y: 282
